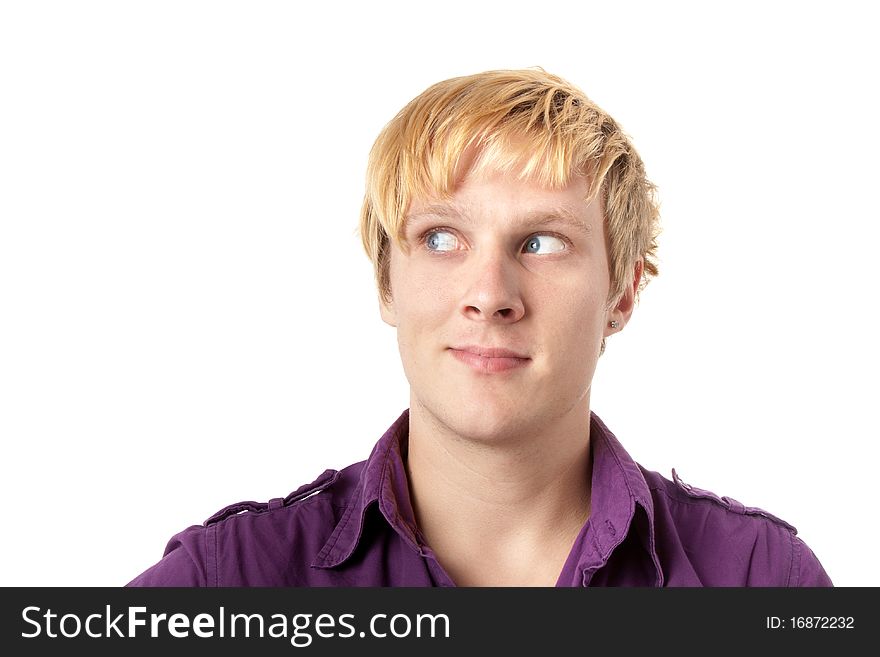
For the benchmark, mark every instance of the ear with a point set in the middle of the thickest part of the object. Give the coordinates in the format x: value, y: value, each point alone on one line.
x: 623, y: 310
x: 387, y: 311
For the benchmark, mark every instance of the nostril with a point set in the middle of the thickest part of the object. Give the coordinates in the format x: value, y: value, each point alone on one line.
x: 504, y: 314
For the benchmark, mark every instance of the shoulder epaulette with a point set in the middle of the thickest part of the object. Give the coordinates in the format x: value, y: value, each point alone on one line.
x: 326, y: 479
x: 728, y: 502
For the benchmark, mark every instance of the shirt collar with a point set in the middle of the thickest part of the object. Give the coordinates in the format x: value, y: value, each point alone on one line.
x: 618, y: 488
x: 383, y: 479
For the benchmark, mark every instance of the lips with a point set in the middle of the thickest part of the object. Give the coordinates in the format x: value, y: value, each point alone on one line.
x: 490, y: 352
x: 489, y: 360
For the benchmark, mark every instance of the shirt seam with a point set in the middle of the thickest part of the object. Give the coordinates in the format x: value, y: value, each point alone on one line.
x: 794, y: 571
x: 343, y: 522
x: 212, y: 567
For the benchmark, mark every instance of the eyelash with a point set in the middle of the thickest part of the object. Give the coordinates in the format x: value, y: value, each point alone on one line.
x: 445, y: 229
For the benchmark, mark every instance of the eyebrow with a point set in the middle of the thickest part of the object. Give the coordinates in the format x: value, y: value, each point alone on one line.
x: 534, y: 218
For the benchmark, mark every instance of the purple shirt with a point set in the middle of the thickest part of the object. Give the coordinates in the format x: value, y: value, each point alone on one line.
x: 356, y: 527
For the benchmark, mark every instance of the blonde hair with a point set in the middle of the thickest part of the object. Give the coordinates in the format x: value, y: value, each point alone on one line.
x: 526, y: 122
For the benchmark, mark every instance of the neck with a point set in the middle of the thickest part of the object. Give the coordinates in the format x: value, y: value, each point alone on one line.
x: 504, y: 504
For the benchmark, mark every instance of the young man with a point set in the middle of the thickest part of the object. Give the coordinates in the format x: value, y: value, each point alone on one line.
x: 511, y: 227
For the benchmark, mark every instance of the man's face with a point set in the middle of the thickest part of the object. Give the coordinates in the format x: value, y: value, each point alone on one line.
x: 503, y: 264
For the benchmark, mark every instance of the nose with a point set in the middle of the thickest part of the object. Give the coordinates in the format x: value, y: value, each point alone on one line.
x: 492, y: 291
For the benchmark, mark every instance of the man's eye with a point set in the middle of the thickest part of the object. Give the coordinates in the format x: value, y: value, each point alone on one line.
x: 542, y: 244
x: 440, y: 240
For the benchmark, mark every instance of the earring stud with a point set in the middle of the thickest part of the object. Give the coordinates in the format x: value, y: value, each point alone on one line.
x: 614, y: 323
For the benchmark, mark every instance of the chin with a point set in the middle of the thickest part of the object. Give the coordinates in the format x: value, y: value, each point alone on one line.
x: 484, y: 428
x: 485, y: 422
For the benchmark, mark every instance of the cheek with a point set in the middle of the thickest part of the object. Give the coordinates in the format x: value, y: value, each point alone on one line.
x: 422, y: 330
x: 422, y: 301
x: 576, y: 325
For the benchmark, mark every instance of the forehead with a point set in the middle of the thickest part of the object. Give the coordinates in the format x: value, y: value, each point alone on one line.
x: 511, y: 200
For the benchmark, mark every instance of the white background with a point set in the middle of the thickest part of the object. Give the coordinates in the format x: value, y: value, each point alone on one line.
x: 187, y: 319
